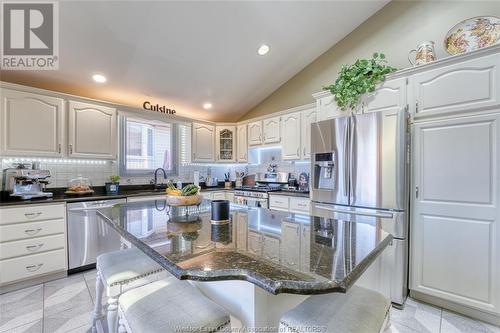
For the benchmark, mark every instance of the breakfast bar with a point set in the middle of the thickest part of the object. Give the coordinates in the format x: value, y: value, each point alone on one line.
x: 263, y: 257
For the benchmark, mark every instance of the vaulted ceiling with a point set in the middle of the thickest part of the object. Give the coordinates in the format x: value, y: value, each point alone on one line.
x: 184, y: 54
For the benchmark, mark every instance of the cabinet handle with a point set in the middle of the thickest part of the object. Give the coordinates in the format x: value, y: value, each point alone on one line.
x: 260, y: 137
x: 304, y: 151
x: 32, y: 231
x: 416, y: 191
x: 32, y: 215
x: 303, y: 232
x: 34, y: 248
x: 298, y: 151
x: 59, y: 148
x: 416, y: 106
x: 71, y: 149
x: 33, y: 268
x: 298, y: 231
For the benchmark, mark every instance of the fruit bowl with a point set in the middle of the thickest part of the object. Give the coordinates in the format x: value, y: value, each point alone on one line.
x: 184, y: 200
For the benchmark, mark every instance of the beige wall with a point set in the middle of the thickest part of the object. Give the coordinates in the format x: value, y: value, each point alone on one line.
x: 394, y: 30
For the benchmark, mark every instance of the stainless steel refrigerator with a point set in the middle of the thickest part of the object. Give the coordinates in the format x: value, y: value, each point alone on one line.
x: 360, y: 166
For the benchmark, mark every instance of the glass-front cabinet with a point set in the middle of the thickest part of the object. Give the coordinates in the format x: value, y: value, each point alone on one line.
x: 226, y: 143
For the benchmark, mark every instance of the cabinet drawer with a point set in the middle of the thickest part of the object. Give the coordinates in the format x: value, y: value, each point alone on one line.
x: 31, y: 229
x: 31, y: 213
x: 218, y: 196
x: 299, y: 205
x: 31, y: 246
x: 278, y: 202
x: 32, y: 266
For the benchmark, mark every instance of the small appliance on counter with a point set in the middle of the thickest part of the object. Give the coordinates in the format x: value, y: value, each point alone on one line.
x: 211, y: 181
x: 25, y: 184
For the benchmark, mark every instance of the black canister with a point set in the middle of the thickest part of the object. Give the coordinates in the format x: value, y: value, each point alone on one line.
x: 220, y: 211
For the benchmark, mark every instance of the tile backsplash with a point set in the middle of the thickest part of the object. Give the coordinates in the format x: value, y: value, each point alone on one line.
x: 63, y: 170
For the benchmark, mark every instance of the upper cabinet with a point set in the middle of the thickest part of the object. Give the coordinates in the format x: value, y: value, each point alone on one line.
x: 472, y: 84
x: 92, y: 131
x: 242, y: 143
x: 390, y: 95
x: 291, y: 146
x: 31, y: 124
x: 226, y: 143
x: 255, y: 133
x: 203, y: 143
x: 327, y: 107
x: 271, y: 130
x: 307, y: 118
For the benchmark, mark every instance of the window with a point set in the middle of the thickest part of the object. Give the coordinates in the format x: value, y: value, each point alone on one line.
x: 146, y: 146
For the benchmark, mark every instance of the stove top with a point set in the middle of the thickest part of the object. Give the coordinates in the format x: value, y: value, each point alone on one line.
x: 258, y: 188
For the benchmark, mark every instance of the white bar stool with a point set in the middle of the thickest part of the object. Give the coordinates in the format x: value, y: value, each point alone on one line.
x: 118, y: 272
x: 170, y: 305
x: 359, y: 311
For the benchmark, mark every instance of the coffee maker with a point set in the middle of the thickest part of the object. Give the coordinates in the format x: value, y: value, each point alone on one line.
x: 24, y: 183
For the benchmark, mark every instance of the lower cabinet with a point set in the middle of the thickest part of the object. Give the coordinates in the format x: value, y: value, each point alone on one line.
x: 456, y: 211
x: 289, y: 203
x: 32, y: 242
x: 218, y: 195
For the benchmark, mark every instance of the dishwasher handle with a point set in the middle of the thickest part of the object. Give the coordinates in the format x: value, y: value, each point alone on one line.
x: 89, y: 208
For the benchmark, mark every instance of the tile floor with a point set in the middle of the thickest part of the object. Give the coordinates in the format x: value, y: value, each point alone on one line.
x: 65, y: 305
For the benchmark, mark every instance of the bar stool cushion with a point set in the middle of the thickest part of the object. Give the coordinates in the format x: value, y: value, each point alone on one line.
x: 125, y: 266
x: 360, y: 310
x: 171, y: 305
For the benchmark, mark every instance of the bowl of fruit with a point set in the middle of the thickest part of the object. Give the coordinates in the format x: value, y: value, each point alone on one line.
x: 187, y: 196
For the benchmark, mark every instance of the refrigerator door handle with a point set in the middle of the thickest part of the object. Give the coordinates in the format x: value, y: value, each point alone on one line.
x: 352, y: 162
x: 345, y: 211
x: 346, y: 158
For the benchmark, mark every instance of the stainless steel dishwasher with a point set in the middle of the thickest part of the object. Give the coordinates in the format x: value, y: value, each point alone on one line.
x: 89, y: 236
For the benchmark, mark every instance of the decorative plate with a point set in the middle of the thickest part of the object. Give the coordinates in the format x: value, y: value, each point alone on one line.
x: 472, y: 34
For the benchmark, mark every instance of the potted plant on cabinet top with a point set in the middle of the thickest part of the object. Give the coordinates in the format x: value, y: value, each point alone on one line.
x: 357, y: 79
x: 113, y: 186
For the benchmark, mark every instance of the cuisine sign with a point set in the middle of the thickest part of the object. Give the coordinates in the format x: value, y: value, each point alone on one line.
x: 156, y: 107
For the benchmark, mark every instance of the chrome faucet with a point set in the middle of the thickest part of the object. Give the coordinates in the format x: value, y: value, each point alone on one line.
x: 156, y: 176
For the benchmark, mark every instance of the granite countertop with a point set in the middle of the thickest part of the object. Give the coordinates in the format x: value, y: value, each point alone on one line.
x: 277, y: 251
x: 125, y: 191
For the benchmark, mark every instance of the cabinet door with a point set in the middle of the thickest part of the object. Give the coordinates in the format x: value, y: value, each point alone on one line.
x: 31, y: 124
x: 254, y: 243
x: 92, y: 131
x: 241, y: 230
x: 455, y: 231
x: 290, y: 248
x: 242, y: 143
x: 271, y: 130
x: 457, y: 88
x: 203, y: 143
x: 305, y: 248
x: 388, y: 96
x: 328, y: 108
x: 271, y: 248
x: 226, y: 143
x: 307, y: 118
x: 255, y: 133
x: 291, y: 147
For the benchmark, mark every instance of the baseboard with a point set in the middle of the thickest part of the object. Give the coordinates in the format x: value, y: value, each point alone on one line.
x: 31, y: 282
x: 458, y: 308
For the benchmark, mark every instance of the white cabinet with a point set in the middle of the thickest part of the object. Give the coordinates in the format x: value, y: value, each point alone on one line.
x: 390, y: 95
x: 255, y: 133
x: 307, y: 117
x: 92, y: 131
x: 291, y: 146
x: 225, y: 143
x: 290, y: 244
x: 327, y: 107
x: 279, y: 202
x: 299, y: 205
x: 456, y: 88
x: 203, y: 143
x: 254, y: 243
x: 31, y: 124
x: 241, y: 230
x: 271, y: 248
x: 456, y: 206
x: 305, y: 248
x: 32, y: 242
x: 271, y: 130
x: 242, y: 143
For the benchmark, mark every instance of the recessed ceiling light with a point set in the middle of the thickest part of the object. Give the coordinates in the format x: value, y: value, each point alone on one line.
x: 263, y: 49
x: 207, y: 106
x: 99, y: 78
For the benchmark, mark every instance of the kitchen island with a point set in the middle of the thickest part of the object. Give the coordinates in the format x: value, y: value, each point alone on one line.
x: 280, y: 257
